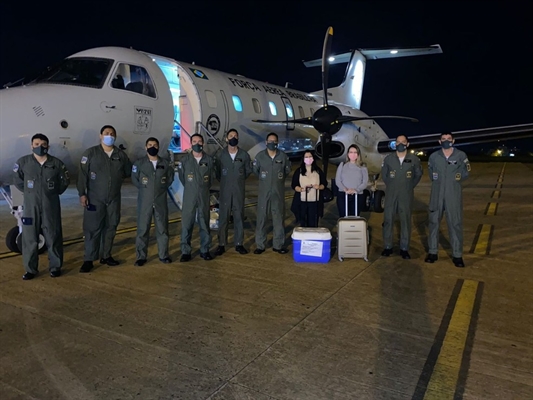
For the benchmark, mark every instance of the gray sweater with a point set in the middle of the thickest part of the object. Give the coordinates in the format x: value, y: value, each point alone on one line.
x: 351, y: 176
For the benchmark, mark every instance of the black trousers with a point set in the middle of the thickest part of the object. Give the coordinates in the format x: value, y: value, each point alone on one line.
x: 308, y: 214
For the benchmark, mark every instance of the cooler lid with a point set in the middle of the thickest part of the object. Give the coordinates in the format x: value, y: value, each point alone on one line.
x: 300, y: 233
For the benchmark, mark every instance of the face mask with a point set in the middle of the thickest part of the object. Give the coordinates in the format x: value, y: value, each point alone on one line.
x: 401, y: 147
x: 446, y: 144
x: 197, y: 147
x: 109, y: 140
x: 40, y: 151
x: 233, y: 141
x: 272, y: 146
x: 308, y: 161
x: 352, y: 156
x: 152, y: 151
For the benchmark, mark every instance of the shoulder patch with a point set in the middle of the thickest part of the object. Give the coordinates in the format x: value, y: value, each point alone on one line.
x: 15, y: 167
x: 84, y: 160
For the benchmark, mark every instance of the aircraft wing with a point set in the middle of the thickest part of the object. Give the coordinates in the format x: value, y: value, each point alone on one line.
x: 463, y: 138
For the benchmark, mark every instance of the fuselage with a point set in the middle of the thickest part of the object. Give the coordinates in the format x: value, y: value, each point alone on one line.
x: 144, y: 95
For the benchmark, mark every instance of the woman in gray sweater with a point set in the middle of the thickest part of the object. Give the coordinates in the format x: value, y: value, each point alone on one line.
x: 351, y: 179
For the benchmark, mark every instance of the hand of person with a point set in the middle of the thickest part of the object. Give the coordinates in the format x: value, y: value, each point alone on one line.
x: 84, y: 201
x: 316, y: 186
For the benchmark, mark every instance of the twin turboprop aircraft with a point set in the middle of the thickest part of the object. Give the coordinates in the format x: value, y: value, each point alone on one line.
x: 143, y: 94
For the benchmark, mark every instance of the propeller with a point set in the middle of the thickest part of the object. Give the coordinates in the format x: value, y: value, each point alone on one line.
x: 328, y: 119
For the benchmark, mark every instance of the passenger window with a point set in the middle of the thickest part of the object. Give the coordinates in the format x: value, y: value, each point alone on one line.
x: 211, y: 99
x: 290, y: 114
x: 237, y: 103
x: 257, y: 106
x: 273, y: 109
x: 134, y: 79
x: 301, y: 110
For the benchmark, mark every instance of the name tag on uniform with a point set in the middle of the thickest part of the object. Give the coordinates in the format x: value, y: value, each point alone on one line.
x: 452, y: 162
x: 115, y: 158
x: 160, y: 167
x: 27, y: 221
x: 407, y: 161
x: 203, y: 164
x: 278, y: 161
x: 238, y: 159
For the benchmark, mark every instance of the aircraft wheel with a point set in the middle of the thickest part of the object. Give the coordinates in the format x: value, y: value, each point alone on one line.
x: 12, y: 239
x: 379, y: 201
x: 367, y: 199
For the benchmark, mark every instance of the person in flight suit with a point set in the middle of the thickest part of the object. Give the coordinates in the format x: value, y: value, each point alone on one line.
x: 152, y: 175
x: 232, y: 167
x: 103, y: 168
x: 42, y: 178
x: 447, y: 169
x: 195, y: 171
x: 272, y: 166
x: 401, y: 172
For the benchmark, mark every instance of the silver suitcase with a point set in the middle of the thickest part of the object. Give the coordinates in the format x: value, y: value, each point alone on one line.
x: 352, y: 235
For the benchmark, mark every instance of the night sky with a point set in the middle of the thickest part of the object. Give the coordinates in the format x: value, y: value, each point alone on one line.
x: 483, y: 78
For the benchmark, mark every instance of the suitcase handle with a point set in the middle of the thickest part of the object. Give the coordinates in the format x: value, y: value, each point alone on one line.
x: 346, y: 204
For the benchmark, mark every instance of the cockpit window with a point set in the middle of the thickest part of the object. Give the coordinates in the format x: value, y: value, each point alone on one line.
x: 89, y: 72
x: 133, y: 78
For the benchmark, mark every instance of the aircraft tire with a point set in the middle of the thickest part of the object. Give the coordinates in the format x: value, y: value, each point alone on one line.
x: 367, y: 199
x: 379, y: 201
x: 11, y: 239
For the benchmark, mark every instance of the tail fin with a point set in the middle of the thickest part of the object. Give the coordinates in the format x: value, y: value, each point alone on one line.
x: 351, y: 89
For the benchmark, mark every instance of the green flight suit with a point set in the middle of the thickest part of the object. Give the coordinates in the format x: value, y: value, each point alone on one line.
x: 100, y: 179
x: 196, y: 178
x: 232, y: 174
x: 400, y: 180
x: 446, y: 195
x: 41, y: 185
x: 153, y: 184
x: 271, y: 196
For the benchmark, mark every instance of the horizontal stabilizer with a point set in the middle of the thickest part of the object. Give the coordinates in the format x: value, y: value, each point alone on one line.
x: 377, y: 54
x: 463, y: 138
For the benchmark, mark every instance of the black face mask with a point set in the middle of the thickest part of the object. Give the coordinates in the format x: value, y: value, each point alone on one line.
x: 272, y: 146
x: 401, y: 147
x: 152, y: 151
x: 446, y: 144
x: 233, y: 141
x: 40, y: 151
x: 197, y: 147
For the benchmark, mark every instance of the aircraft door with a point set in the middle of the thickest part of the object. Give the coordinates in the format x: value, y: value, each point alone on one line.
x: 289, y: 112
x: 226, y: 111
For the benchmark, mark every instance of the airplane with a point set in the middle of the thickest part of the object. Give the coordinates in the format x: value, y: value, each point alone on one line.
x: 143, y: 94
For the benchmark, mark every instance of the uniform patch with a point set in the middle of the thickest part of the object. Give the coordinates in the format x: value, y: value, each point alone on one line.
x: 179, y: 164
x: 134, y: 169
x: 144, y: 180
x: 67, y: 175
x: 263, y: 174
x: 84, y: 160
x: 206, y: 178
x: 190, y: 177
x: 15, y: 167
x: 280, y: 175
x: 392, y: 174
x: 163, y: 179
x: 51, y: 185
x: 29, y: 184
x: 458, y: 176
x: 224, y: 171
x: 409, y: 174
x: 254, y: 163
x: 435, y: 176
x: 467, y: 164
x: 93, y: 176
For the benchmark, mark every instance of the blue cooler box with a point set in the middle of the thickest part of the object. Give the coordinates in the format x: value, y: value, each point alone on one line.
x: 311, y: 245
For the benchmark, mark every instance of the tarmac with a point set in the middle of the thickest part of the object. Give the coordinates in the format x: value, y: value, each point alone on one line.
x: 267, y: 327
